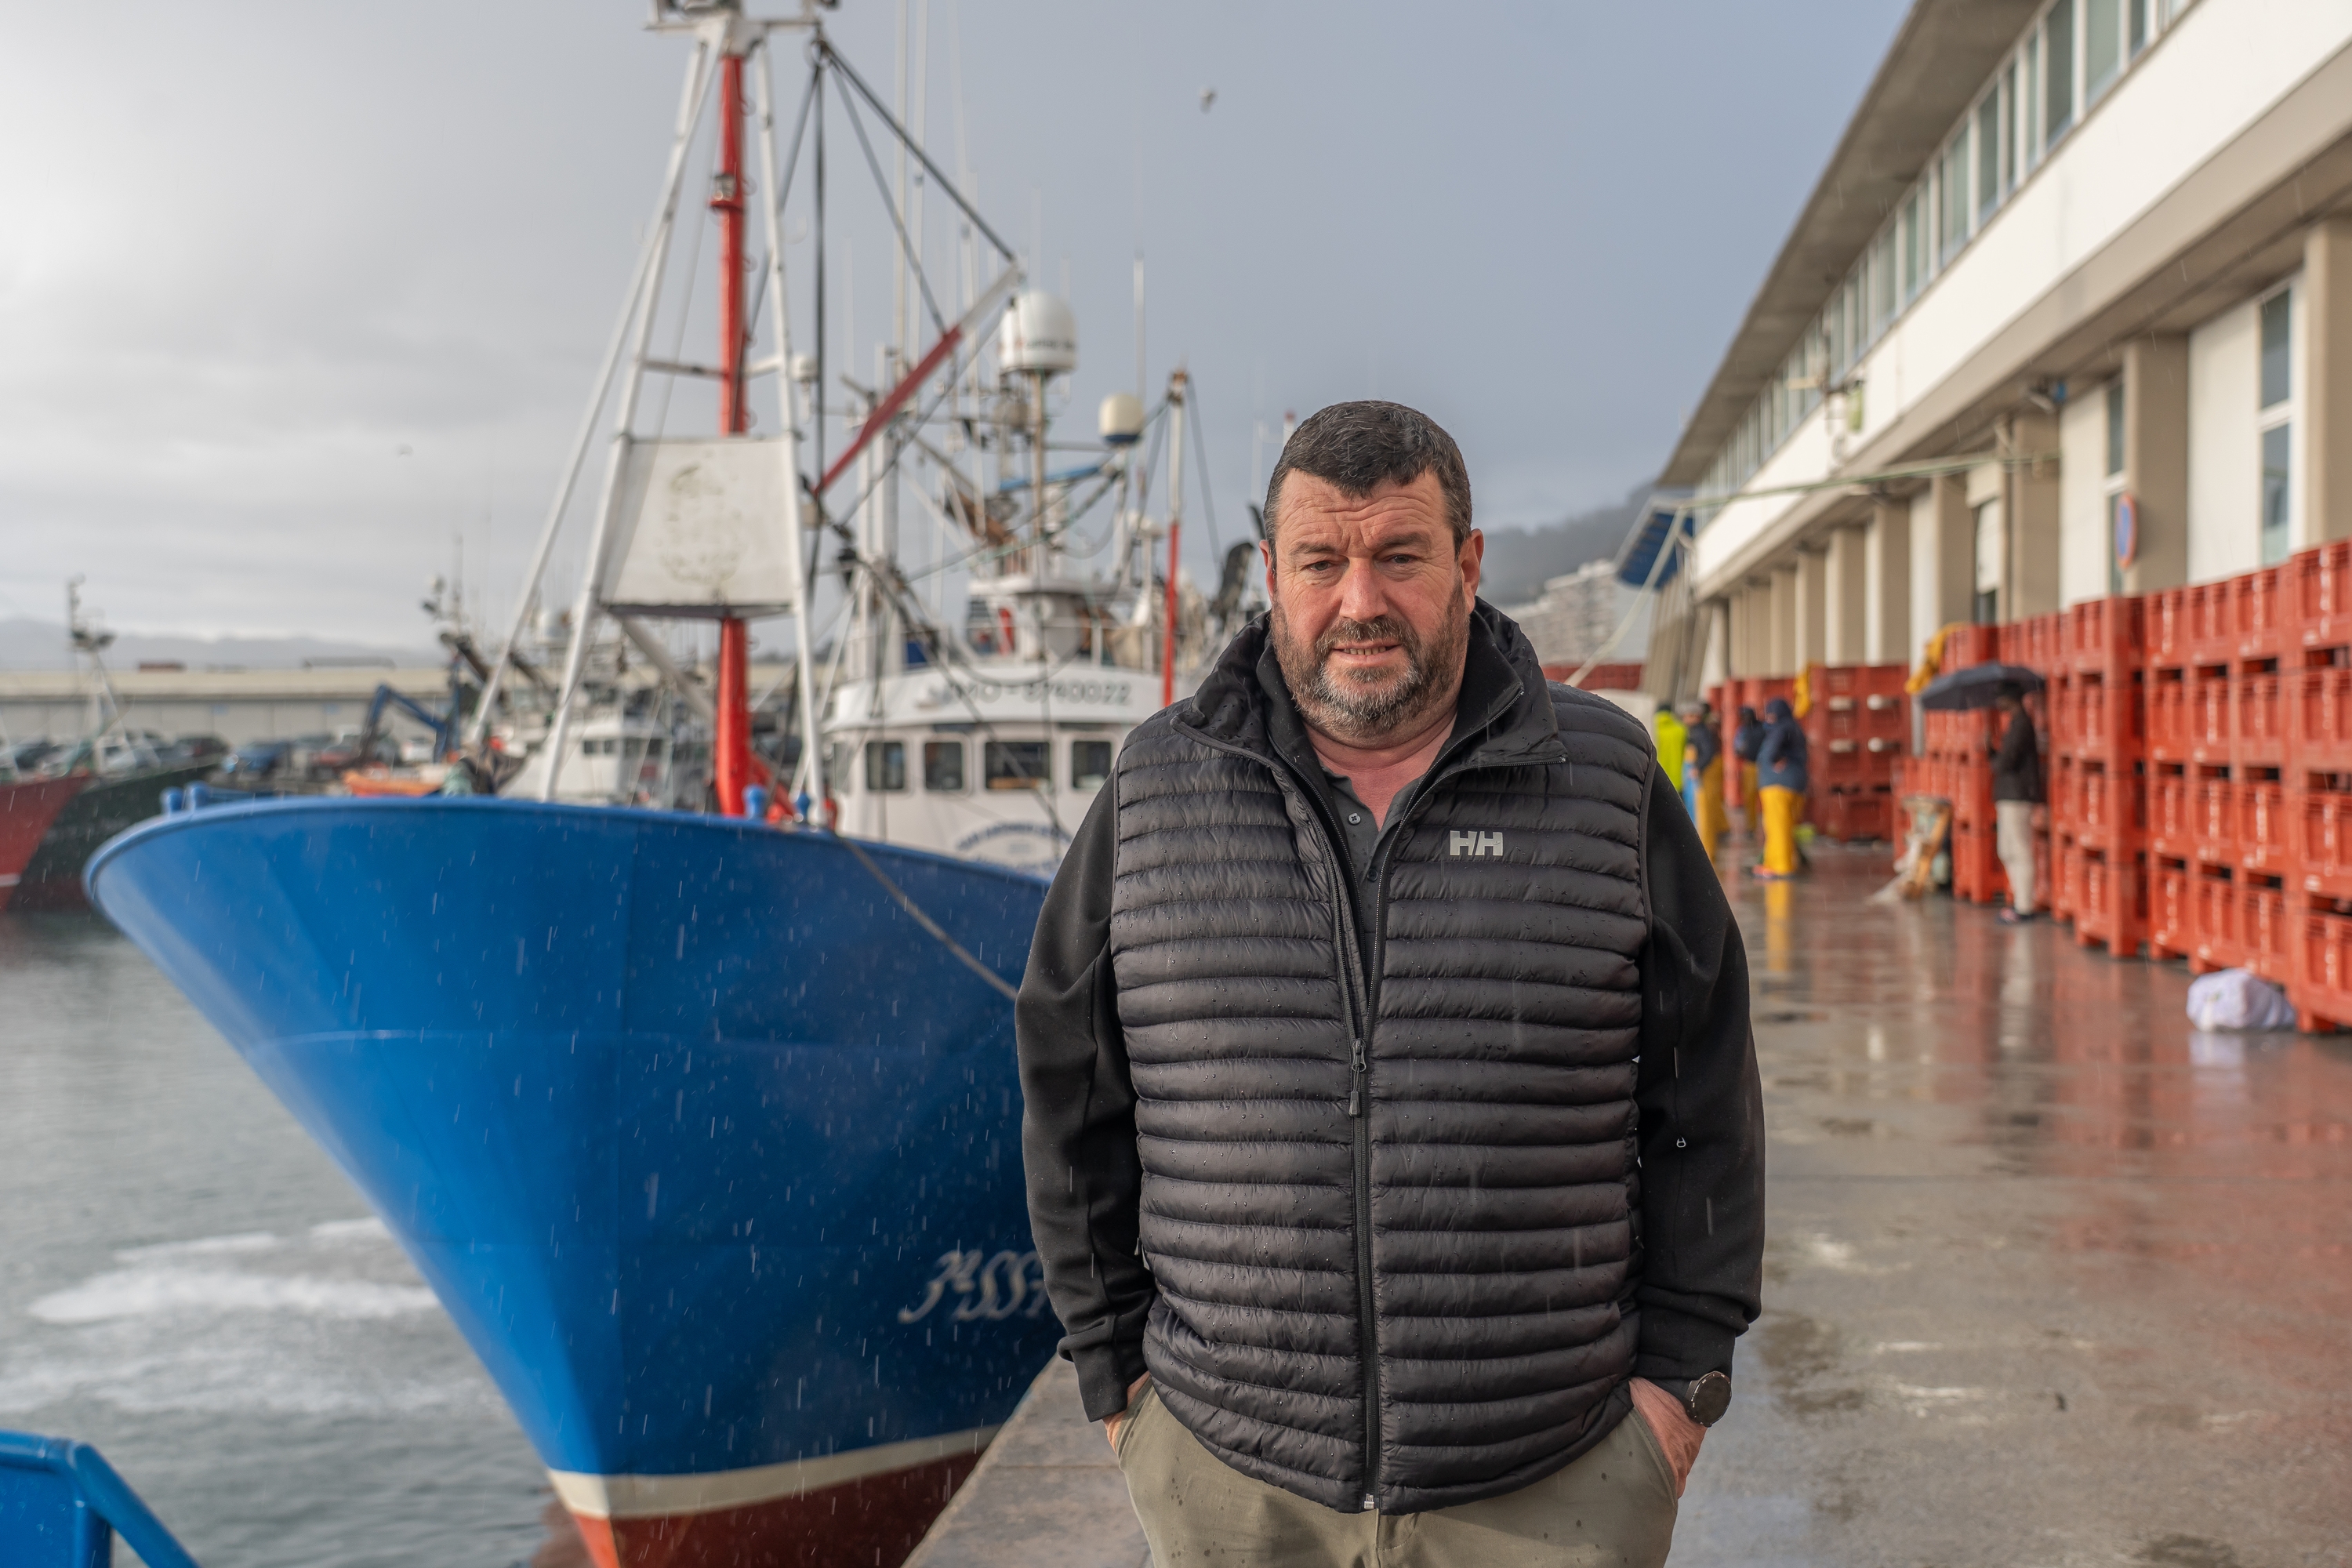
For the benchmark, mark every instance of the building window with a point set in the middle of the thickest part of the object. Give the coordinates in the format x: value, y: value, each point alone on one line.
x: 944, y: 766
x: 2008, y: 126
x: 1089, y: 763
x: 2277, y: 447
x: 1911, y: 248
x: 2139, y: 10
x: 2277, y: 417
x: 886, y: 766
x: 1015, y: 765
x: 1955, y: 180
x: 2102, y: 45
x: 2058, y: 71
x: 2029, y: 100
x: 1988, y: 155
x: 2278, y: 323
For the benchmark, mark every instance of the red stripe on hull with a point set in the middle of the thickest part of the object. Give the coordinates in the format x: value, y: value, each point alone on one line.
x: 27, y: 809
x: 876, y: 1520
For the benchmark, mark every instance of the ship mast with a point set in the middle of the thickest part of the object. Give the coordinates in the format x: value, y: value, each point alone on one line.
x: 732, y: 763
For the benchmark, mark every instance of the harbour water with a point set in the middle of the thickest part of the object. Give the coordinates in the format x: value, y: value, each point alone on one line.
x: 187, y: 1282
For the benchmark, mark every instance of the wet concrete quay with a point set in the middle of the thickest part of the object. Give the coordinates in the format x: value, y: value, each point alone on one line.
x: 2053, y: 1280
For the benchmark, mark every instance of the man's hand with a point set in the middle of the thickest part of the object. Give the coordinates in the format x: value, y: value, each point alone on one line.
x: 1111, y: 1424
x: 1677, y: 1434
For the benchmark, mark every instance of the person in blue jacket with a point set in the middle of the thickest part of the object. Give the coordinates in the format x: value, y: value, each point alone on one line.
x: 1781, y: 773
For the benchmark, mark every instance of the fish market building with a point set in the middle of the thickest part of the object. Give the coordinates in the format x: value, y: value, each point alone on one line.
x: 2068, y: 314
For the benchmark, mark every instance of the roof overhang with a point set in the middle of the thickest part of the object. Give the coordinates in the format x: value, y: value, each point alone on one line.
x: 1941, y: 56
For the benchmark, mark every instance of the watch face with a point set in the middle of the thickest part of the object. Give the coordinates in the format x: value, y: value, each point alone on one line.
x: 1710, y: 1396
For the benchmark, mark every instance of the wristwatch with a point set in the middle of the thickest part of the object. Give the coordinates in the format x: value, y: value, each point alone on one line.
x: 1704, y: 1398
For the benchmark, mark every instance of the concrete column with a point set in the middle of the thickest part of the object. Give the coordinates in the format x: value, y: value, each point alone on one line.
x: 1887, y: 570
x: 2326, y: 411
x: 1943, y: 559
x: 2028, y: 497
x: 2155, y: 459
x: 1847, y: 589
x: 1812, y: 609
x: 1734, y: 645
x: 1781, y: 658
x: 1754, y: 655
x: 1715, y: 642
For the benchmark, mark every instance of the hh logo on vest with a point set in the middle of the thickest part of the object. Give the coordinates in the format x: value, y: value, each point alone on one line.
x: 1475, y: 843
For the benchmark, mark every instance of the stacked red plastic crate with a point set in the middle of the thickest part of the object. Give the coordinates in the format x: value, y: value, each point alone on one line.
x: 2171, y: 781
x: 2316, y: 695
x: 1858, y: 724
x: 2100, y: 729
x: 1960, y: 751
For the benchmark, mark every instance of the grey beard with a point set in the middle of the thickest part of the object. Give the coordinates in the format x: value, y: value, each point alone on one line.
x: 1366, y: 715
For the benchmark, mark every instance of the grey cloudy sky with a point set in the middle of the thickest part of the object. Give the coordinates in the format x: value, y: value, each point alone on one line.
x: 249, y: 253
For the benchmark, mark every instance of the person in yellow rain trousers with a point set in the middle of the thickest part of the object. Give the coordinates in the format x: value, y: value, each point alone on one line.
x: 1671, y: 739
x: 1746, y: 736
x: 1781, y: 773
x: 1703, y: 775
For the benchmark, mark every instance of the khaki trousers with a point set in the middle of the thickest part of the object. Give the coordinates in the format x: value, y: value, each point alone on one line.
x: 2013, y: 842
x: 1613, y: 1508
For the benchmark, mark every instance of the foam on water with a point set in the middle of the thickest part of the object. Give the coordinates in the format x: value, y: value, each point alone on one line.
x: 249, y: 1321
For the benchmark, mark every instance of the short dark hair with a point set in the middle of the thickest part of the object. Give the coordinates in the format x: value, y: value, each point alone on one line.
x: 1359, y: 447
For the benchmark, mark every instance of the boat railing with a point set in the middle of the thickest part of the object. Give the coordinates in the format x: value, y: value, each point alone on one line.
x: 61, y: 1506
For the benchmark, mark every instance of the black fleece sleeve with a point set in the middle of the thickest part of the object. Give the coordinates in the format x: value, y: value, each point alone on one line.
x: 1701, y: 1108
x: 1078, y: 1123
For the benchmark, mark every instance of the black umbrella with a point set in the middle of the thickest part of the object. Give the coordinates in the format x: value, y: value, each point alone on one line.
x: 1977, y: 686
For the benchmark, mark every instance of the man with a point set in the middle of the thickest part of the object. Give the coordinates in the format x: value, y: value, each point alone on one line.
x: 1782, y: 781
x: 1703, y: 775
x: 1393, y: 1134
x: 2016, y: 791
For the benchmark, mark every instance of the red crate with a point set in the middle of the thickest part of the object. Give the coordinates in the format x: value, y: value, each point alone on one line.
x: 1849, y: 814
x: 2320, y: 595
x: 2066, y: 888
x: 2171, y: 910
x: 2258, y: 719
x: 2214, y: 816
x: 2168, y: 627
x: 2318, y: 698
x: 2168, y: 713
x: 2264, y: 826
x: 2171, y: 814
x: 2259, y: 613
x: 2212, y: 636
x: 1976, y: 876
x: 2214, y: 923
x: 2113, y: 908
x: 1967, y: 644
x: 2263, y: 931
x: 2208, y: 713
x: 2320, y: 853
x: 2321, y: 987
x: 2104, y: 635
x: 1849, y: 762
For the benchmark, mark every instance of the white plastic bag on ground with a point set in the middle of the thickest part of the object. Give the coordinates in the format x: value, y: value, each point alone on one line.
x: 2238, y: 999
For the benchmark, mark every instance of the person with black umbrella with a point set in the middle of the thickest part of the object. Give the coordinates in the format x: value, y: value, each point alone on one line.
x: 2016, y: 791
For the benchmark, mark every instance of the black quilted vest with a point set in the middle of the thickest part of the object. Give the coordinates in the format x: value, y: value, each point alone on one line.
x: 1390, y: 1200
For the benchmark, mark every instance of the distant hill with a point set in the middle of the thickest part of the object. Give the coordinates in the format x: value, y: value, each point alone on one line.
x: 1518, y: 561
x: 28, y: 644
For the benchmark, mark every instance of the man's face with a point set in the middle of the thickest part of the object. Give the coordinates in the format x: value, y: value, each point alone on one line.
x: 1371, y: 605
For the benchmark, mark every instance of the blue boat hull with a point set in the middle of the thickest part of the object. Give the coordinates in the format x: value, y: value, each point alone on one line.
x: 708, y: 1147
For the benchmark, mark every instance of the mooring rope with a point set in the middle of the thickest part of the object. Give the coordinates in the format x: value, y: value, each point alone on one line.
x: 928, y: 924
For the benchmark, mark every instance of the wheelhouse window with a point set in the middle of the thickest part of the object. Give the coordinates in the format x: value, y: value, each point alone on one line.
x: 1089, y: 763
x: 1015, y: 765
x: 944, y: 766
x: 886, y: 766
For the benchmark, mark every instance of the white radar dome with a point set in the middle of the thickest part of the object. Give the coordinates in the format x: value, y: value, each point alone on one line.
x: 1038, y: 334
x: 1120, y: 420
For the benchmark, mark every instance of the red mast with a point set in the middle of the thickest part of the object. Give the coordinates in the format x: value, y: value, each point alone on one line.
x: 732, y: 763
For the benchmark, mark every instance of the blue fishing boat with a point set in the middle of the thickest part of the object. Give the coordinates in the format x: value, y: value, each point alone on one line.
x: 708, y: 1145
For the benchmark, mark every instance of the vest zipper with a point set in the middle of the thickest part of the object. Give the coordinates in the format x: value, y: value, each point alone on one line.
x: 1356, y: 990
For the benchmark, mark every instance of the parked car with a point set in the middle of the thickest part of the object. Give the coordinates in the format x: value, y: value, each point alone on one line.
x: 190, y: 749
x: 255, y: 760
